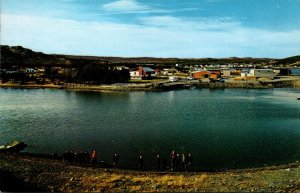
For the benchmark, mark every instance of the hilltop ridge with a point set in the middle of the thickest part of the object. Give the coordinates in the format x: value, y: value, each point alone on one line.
x: 18, y: 55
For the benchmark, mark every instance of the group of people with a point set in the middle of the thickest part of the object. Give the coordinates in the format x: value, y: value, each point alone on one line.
x: 177, y: 162
x: 76, y: 157
x: 83, y: 158
x: 181, y: 162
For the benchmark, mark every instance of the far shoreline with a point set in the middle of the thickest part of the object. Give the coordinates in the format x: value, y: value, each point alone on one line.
x: 165, y: 86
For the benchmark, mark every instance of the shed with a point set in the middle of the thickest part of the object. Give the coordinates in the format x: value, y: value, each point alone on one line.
x: 262, y: 73
x: 201, y: 74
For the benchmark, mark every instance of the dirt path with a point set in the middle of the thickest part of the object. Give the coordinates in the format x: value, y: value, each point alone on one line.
x: 40, y: 174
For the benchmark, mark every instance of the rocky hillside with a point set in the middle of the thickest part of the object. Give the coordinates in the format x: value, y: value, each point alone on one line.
x: 19, y: 56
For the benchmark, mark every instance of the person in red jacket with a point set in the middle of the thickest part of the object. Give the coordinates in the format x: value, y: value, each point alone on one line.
x: 94, y: 157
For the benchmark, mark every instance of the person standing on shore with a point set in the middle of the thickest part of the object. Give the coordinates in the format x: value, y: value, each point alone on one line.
x: 173, y: 160
x: 86, y: 158
x: 189, y: 162
x: 94, y: 157
x: 157, y: 162
x: 178, y: 160
x: 141, y: 162
x: 183, y: 162
x: 116, y: 159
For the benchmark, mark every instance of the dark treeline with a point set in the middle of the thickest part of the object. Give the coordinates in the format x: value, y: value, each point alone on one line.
x: 99, y: 74
x: 88, y: 74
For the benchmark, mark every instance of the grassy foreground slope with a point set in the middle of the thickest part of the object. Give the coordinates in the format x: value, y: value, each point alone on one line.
x: 39, y: 174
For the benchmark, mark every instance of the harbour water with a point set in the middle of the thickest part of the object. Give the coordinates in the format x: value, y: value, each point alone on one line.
x: 224, y: 128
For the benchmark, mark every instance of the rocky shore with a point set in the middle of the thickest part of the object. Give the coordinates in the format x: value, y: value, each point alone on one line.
x: 34, y: 173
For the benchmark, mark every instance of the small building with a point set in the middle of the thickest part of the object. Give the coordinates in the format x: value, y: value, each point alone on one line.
x: 215, y: 74
x: 262, y: 73
x: 246, y: 74
x: 236, y: 72
x: 201, y: 74
x: 11, y: 71
x: 225, y: 72
x: 142, y: 73
x: 157, y: 72
x: 121, y: 68
x: 283, y: 72
x: 169, y: 71
x: 173, y: 79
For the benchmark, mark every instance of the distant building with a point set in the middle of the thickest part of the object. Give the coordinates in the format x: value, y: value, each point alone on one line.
x: 169, y: 71
x: 173, y: 79
x: 121, y: 68
x: 11, y: 71
x: 201, y: 74
x: 142, y: 73
x: 283, y: 72
x: 215, y: 74
x: 225, y: 72
x: 262, y: 73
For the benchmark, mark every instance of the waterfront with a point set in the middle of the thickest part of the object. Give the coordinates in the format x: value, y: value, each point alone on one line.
x: 224, y: 128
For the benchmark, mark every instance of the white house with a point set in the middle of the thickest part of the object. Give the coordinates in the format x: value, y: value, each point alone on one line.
x: 262, y: 73
x: 142, y: 72
x: 169, y: 71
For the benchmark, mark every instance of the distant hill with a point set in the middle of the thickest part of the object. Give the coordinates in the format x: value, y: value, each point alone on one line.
x: 19, y: 56
x: 290, y: 60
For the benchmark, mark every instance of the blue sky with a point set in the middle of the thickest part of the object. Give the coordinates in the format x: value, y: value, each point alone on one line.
x: 158, y: 28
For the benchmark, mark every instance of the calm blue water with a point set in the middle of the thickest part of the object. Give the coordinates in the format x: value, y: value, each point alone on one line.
x: 295, y: 71
x: 222, y: 128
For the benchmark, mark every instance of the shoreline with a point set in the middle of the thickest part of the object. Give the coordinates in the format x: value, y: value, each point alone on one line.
x: 162, y: 86
x: 44, y: 174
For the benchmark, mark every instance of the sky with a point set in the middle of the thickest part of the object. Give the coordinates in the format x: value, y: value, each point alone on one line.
x: 154, y: 28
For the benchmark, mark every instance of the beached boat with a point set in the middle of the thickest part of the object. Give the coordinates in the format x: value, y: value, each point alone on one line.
x: 14, y: 146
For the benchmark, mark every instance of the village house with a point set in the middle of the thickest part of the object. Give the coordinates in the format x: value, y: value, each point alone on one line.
x: 225, y: 72
x: 214, y: 74
x: 200, y: 74
x: 142, y: 73
x: 169, y: 71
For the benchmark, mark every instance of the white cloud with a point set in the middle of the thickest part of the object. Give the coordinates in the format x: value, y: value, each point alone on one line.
x: 132, y: 6
x: 193, y: 24
x: 185, y: 38
x: 125, y: 6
